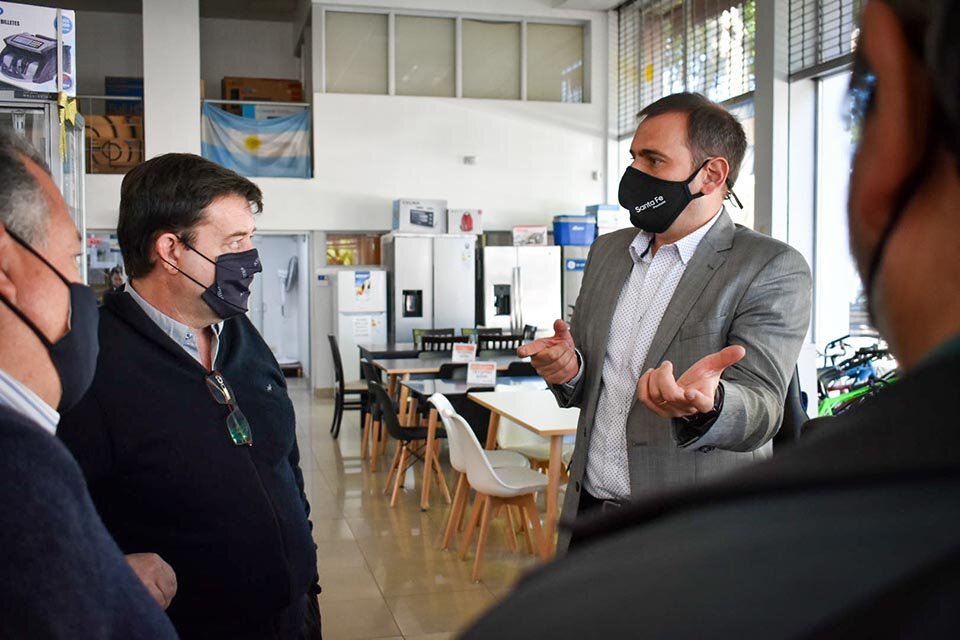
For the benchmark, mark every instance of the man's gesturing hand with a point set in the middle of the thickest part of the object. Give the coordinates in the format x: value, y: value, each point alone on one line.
x: 555, y: 358
x: 694, y: 392
x: 156, y: 575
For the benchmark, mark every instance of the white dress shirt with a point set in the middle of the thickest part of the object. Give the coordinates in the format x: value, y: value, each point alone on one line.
x: 20, y: 398
x: 180, y: 333
x: 640, y: 309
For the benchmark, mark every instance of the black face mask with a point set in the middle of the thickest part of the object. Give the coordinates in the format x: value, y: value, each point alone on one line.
x: 74, y: 356
x: 230, y: 292
x: 655, y: 204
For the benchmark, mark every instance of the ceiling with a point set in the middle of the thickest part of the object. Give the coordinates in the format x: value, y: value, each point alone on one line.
x: 276, y: 10
x: 588, y: 5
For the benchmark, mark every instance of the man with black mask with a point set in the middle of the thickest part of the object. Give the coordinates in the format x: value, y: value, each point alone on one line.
x: 63, y: 576
x: 686, y: 333
x: 198, y: 460
x: 855, y: 532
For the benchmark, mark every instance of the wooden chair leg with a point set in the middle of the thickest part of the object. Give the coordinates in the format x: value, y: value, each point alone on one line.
x: 482, y: 539
x: 467, y: 538
x: 394, y: 466
x: 399, y: 479
x: 456, y: 511
x: 511, y: 532
x: 438, y: 476
x: 534, y: 516
x: 365, y: 436
x: 524, y: 522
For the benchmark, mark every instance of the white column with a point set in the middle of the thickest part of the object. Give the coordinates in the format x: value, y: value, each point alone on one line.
x: 171, y: 76
x: 771, y: 102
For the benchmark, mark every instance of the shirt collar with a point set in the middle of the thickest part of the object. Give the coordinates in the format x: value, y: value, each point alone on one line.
x: 20, y: 398
x: 178, y: 332
x: 686, y: 246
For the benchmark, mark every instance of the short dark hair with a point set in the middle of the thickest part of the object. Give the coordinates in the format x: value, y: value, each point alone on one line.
x: 24, y: 208
x: 170, y: 193
x: 712, y: 131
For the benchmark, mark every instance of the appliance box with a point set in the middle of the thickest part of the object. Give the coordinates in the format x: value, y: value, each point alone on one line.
x: 259, y: 89
x: 419, y: 216
x: 465, y: 221
x: 530, y: 234
x: 574, y: 230
x: 28, y: 59
x: 610, y: 217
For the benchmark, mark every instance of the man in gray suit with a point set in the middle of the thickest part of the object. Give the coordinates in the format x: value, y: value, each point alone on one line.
x: 686, y: 333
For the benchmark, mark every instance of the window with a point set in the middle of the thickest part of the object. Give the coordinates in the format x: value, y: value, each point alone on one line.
x: 555, y: 62
x: 356, y: 52
x: 380, y: 52
x: 491, y: 59
x: 668, y: 46
x: 822, y: 34
x: 744, y: 188
x: 426, y: 56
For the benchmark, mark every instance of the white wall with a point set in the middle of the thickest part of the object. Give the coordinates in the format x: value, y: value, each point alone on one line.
x: 108, y: 44
x: 256, y: 49
x: 171, y: 74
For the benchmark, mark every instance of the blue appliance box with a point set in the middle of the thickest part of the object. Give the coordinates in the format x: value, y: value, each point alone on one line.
x: 574, y: 230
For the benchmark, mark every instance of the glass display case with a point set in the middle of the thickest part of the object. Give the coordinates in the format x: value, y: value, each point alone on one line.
x: 38, y: 122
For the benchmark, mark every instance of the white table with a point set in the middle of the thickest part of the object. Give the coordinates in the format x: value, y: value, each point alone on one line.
x: 538, y: 412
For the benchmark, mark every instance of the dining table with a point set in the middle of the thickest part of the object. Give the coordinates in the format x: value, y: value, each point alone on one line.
x: 538, y: 412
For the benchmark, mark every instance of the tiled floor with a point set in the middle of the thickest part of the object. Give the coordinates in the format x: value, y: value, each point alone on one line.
x: 381, y: 569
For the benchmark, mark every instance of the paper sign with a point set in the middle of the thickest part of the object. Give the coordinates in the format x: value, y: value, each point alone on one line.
x: 361, y: 327
x: 483, y: 373
x: 361, y: 284
x: 464, y: 352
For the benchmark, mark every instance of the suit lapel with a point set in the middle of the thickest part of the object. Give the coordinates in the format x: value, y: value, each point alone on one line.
x: 614, y: 276
x: 708, y: 257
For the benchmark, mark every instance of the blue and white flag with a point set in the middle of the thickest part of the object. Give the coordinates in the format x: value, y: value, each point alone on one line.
x: 278, y: 147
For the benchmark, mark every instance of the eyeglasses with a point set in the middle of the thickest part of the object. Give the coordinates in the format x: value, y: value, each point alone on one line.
x: 237, y: 423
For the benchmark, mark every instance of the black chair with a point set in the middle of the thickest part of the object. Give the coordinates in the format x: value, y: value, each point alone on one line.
x: 477, y: 416
x: 794, y: 415
x: 520, y: 369
x: 419, y: 333
x: 481, y: 331
x: 347, y: 396
x: 442, y: 343
x: 453, y: 371
x: 500, y: 342
x: 529, y: 332
x: 408, y: 451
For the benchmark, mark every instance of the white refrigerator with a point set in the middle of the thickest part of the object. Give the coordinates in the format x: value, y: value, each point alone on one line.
x: 432, y: 282
x: 359, y: 314
x: 521, y: 286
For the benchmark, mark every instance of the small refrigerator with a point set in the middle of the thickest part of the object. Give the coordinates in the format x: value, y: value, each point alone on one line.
x: 359, y: 314
x: 521, y: 286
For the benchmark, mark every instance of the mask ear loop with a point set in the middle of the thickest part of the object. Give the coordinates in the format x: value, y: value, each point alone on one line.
x: 732, y: 194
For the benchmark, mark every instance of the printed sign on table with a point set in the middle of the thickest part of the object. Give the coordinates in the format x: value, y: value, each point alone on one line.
x: 482, y: 373
x: 464, y: 352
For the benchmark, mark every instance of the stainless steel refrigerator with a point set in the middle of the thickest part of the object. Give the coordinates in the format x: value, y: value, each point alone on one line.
x: 574, y: 261
x: 432, y: 282
x: 521, y: 286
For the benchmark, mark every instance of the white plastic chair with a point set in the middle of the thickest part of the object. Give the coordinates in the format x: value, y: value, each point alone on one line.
x: 496, y: 488
x: 513, y: 437
x: 498, y: 459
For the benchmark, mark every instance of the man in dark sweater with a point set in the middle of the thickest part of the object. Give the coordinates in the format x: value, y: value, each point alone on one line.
x: 855, y: 531
x: 61, y: 575
x: 187, y: 437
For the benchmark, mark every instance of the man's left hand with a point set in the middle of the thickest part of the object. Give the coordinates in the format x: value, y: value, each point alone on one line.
x: 694, y: 392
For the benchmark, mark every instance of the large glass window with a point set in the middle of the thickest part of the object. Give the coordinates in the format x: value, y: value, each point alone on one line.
x: 555, y: 62
x: 491, y: 59
x: 426, y: 56
x: 356, y: 52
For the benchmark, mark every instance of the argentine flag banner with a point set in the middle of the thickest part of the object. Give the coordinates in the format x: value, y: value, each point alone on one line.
x: 278, y: 147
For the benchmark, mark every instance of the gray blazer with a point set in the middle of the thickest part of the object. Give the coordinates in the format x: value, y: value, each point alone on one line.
x: 740, y: 287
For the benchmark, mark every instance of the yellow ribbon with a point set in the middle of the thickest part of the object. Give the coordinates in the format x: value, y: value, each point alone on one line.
x: 67, y: 110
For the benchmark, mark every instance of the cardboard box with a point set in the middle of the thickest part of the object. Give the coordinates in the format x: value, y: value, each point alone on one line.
x: 465, y: 221
x: 530, y: 234
x: 267, y: 111
x: 260, y: 89
x: 610, y: 217
x: 419, y: 216
x: 28, y: 58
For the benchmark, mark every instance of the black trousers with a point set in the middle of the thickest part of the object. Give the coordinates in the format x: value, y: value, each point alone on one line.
x: 588, y: 507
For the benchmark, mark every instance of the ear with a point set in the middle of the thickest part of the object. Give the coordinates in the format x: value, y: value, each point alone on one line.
x: 894, y: 133
x: 714, y: 175
x: 8, y: 261
x: 167, y: 248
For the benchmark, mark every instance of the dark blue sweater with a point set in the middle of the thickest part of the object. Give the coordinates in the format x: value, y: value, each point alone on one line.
x: 166, y: 477
x: 61, y: 575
